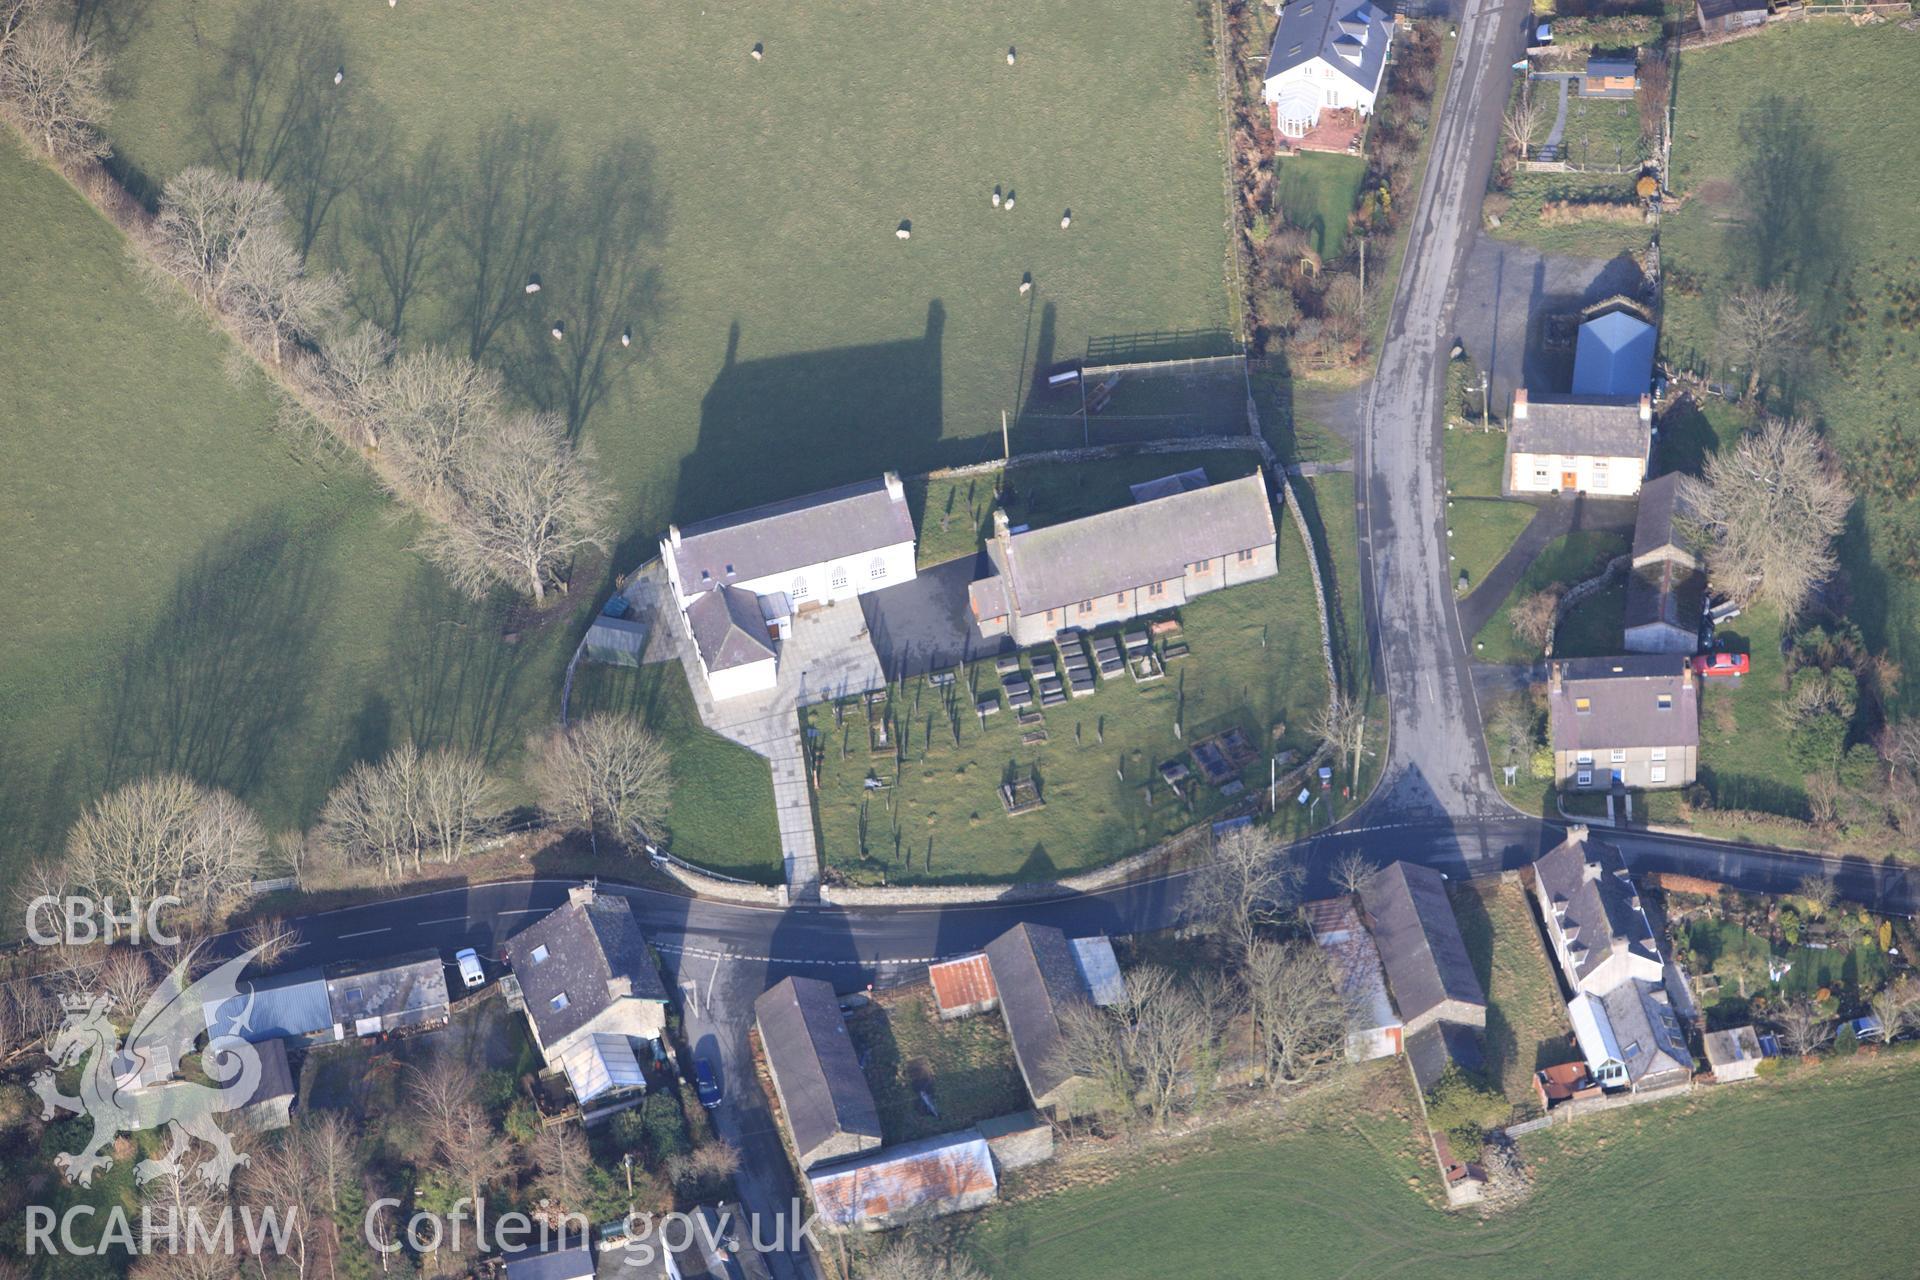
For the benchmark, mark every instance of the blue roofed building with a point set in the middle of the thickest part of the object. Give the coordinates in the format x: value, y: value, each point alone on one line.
x: 291, y: 1005
x: 1614, y: 355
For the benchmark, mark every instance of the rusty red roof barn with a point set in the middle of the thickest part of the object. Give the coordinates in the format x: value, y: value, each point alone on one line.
x: 963, y: 986
x: 915, y: 1180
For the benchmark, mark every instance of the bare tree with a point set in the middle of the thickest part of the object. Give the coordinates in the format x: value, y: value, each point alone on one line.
x: 53, y: 85
x: 179, y: 1196
x: 1514, y: 726
x: 1249, y: 884
x: 438, y: 1092
x: 604, y: 773
x: 1820, y: 893
x: 271, y: 940
x: 281, y: 1180
x: 1767, y: 511
x: 1353, y: 870
x: 475, y: 1153
x: 166, y: 835
x: 1344, y: 315
x: 126, y: 979
x: 529, y: 505
x: 1803, y: 1026
x: 908, y: 1260
x: 459, y: 802
x: 367, y: 820
x: 1519, y: 123
x: 1763, y: 331
x: 1299, y: 1018
x: 353, y: 375
x: 1656, y: 80
x: 400, y: 809
x: 1164, y: 1028
x: 205, y: 217
x: 1342, y: 725
x: 559, y: 1153
x: 15, y: 16
x: 1894, y: 1006
x: 1533, y: 617
x: 274, y: 298
x: 428, y: 408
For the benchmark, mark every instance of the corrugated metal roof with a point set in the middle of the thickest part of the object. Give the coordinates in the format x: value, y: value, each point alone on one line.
x: 1099, y: 969
x: 962, y: 983
x: 287, y: 1004
x: 911, y: 1176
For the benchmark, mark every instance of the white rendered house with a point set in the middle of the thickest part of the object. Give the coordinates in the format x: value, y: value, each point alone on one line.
x: 1327, y: 54
x: 739, y: 579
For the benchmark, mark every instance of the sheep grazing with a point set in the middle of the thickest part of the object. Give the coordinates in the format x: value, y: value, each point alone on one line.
x: 339, y: 74
x: 392, y: 3
x: 757, y: 52
x: 1010, y: 52
x: 1066, y: 220
x: 904, y: 231
x: 626, y: 337
x: 533, y: 284
x: 1026, y: 284
x: 1008, y: 206
x: 996, y: 197
x: 559, y: 330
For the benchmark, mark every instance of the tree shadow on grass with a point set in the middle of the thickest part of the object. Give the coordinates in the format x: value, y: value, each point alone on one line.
x: 227, y: 670
x: 452, y: 677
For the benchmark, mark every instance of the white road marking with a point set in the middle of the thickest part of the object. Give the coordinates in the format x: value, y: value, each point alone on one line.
x: 365, y: 933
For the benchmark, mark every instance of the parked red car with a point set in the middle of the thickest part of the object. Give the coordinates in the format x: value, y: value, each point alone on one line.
x: 1721, y: 664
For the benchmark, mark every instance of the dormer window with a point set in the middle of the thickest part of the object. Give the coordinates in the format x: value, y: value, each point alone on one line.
x: 1666, y: 702
x: 1582, y: 706
x: 559, y: 1002
x: 729, y: 571
x: 705, y: 576
x: 539, y: 954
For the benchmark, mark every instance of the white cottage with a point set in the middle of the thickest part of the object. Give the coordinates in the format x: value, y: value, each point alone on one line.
x: 1327, y: 54
x: 1578, y: 444
x: 739, y: 579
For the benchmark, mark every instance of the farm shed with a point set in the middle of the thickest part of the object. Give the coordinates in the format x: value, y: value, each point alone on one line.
x: 1734, y: 1054
x: 620, y: 642
x: 908, y: 1183
x: 816, y: 1074
x: 963, y: 986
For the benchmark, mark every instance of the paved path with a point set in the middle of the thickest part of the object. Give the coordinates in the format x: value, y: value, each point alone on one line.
x: 1436, y: 764
x: 1553, y: 518
x: 1551, y: 151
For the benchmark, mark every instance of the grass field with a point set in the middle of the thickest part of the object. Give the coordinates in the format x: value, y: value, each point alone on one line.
x: 1709, y: 1186
x: 1527, y: 1026
x: 1590, y: 237
x: 966, y: 1066
x: 189, y: 591
x: 1482, y: 531
x: 1565, y: 561
x: 1317, y: 192
x: 1475, y: 461
x: 796, y: 343
x: 1854, y: 171
x: 1255, y: 663
x: 722, y: 816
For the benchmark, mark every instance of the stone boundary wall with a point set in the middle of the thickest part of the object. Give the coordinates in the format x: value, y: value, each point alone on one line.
x: 1573, y: 1109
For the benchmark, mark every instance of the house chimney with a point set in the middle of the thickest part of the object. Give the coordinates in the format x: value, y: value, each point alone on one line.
x: 1590, y: 870
x: 620, y: 986
x: 1553, y: 679
x: 673, y: 536
x: 1619, y: 945
x: 1686, y: 674
x: 1519, y: 404
x: 898, y: 491
x: 1000, y: 525
x: 1646, y: 408
x: 1577, y: 833
x: 580, y: 895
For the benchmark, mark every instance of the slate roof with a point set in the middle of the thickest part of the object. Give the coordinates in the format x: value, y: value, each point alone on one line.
x: 1129, y: 547
x: 575, y: 1263
x: 851, y: 520
x: 900, y: 1179
x: 1649, y: 1034
x: 1613, y: 355
x: 1623, y: 700
x: 414, y: 984
x: 1609, y: 66
x: 1034, y: 969
x: 1165, y: 486
x: 1419, y: 940
x: 590, y: 947
x: 728, y: 629
x: 1591, y: 426
x: 813, y: 1061
x: 1599, y: 907
x: 1712, y: 9
x: 1330, y: 30
x: 1432, y: 1048
x: 1665, y: 592
x: 1653, y: 523
x: 276, y: 1074
x: 286, y: 1004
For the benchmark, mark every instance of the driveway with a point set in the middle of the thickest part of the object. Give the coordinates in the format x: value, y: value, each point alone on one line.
x: 1506, y: 293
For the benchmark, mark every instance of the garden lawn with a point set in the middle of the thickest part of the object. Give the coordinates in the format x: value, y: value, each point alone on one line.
x: 189, y: 590
x: 966, y: 1066
x: 1566, y: 560
x: 1475, y: 460
x: 1600, y: 131
x: 1744, y: 761
x: 1328, y: 1193
x: 1317, y: 193
x: 796, y: 343
x: 722, y: 816
x: 1254, y: 663
x: 1739, y: 958
x: 1483, y: 529
x: 1527, y: 1026
x: 1594, y: 628
x: 1858, y: 179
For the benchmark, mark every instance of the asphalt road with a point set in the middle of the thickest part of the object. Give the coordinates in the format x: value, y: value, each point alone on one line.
x: 1436, y: 764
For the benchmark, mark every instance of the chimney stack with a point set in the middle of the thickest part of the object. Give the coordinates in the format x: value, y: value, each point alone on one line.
x: 1646, y: 408
x: 581, y: 895
x: 1553, y: 679
x: 1519, y: 404
x: 1000, y: 525
x: 898, y: 491
x: 673, y: 536
x: 1577, y: 833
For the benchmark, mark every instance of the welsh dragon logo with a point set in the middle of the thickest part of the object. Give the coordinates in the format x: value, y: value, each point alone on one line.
x: 165, y: 1030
